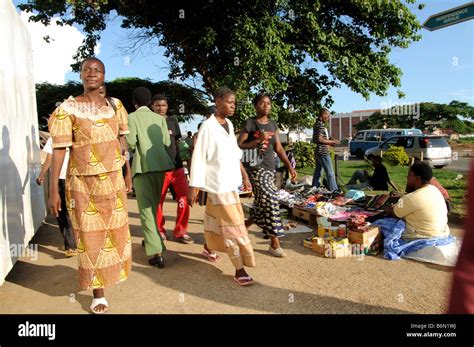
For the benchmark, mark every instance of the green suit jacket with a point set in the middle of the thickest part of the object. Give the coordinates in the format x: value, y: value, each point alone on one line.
x: 147, y: 139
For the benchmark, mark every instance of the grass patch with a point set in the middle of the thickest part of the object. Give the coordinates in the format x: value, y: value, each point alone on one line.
x: 398, y: 175
x: 465, y: 140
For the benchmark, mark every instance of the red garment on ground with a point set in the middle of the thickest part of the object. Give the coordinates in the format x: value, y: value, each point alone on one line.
x: 177, y: 179
x: 462, y: 292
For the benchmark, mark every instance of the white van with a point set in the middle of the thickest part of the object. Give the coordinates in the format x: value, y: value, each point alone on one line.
x: 366, y: 139
x: 434, y: 150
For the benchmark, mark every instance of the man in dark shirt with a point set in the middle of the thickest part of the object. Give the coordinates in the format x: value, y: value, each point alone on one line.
x: 176, y: 178
x: 321, y: 154
x: 378, y: 181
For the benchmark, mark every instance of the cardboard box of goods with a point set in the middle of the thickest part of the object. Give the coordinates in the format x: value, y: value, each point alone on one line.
x: 339, y: 252
x: 300, y: 213
x: 372, y: 237
x: 320, y: 249
x: 331, y: 247
x: 325, y: 232
x: 308, y: 243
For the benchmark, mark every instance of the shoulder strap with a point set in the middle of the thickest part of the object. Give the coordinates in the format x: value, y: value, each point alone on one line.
x: 112, y: 103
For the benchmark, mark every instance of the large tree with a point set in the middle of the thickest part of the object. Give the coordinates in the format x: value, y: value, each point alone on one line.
x: 295, y: 50
x: 447, y: 114
x: 183, y: 102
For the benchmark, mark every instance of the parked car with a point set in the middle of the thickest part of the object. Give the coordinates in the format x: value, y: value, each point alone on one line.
x: 366, y: 139
x: 435, y: 150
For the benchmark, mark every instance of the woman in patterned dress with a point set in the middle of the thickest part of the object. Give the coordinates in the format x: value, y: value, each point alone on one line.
x: 259, y: 140
x: 96, y: 193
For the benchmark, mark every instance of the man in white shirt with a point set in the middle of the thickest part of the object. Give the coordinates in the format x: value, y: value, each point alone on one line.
x: 63, y: 219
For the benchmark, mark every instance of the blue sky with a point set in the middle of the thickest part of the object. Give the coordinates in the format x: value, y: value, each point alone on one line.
x: 438, y: 68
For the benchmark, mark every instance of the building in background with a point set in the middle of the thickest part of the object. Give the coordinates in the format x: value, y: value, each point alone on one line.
x: 293, y: 136
x: 342, y: 125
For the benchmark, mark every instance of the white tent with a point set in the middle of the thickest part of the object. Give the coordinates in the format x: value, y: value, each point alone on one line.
x: 22, y: 202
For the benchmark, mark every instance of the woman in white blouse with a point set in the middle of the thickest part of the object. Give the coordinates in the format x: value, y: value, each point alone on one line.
x: 217, y: 170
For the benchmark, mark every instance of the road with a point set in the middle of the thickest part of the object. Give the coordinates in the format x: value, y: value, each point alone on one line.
x: 304, y: 282
x: 462, y: 164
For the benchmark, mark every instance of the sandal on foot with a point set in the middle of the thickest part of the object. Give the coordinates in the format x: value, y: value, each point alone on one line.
x: 244, y: 280
x: 278, y: 252
x: 70, y: 253
x: 212, y: 257
x: 99, y: 301
x: 186, y: 239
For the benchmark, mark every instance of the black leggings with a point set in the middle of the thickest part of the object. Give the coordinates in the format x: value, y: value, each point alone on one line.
x: 65, y: 225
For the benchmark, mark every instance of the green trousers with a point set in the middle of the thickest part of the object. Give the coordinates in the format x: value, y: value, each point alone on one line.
x: 148, y: 188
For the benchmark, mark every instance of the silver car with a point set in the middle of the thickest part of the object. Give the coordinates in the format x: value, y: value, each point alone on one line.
x: 434, y: 150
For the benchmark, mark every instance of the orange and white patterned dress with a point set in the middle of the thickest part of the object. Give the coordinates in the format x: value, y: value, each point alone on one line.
x: 95, y: 189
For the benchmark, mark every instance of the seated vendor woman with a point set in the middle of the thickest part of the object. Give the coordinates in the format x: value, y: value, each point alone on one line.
x: 435, y: 182
x: 424, y: 209
x: 378, y: 181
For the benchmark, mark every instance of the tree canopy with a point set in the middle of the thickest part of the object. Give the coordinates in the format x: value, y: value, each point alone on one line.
x: 183, y: 102
x: 447, y: 114
x: 294, y: 50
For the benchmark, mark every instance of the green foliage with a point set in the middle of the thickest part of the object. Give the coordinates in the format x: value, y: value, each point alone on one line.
x: 183, y: 101
x: 48, y: 96
x: 397, y: 117
x: 396, y: 156
x: 466, y: 140
x: 304, y: 153
x: 459, y: 126
x: 294, y: 50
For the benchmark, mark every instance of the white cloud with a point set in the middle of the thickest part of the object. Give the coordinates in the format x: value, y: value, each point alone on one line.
x: 52, y: 60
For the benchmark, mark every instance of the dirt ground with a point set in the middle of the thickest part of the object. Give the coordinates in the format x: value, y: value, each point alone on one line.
x: 304, y: 282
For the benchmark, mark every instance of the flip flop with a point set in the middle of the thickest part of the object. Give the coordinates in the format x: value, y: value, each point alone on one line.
x: 99, y: 301
x: 212, y: 257
x: 244, y: 280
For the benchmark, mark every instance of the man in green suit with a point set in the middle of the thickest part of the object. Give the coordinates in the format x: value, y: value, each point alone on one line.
x: 147, y: 139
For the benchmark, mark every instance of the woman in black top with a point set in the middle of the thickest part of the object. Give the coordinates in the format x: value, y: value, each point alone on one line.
x: 259, y: 141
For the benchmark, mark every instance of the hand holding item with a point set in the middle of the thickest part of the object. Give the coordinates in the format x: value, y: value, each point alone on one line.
x: 247, y: 185
x: 263, y: 136
x: 294, y: 175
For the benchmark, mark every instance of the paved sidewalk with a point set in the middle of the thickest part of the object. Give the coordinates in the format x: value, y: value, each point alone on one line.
x: 302, y: 283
